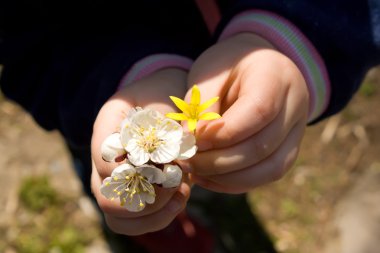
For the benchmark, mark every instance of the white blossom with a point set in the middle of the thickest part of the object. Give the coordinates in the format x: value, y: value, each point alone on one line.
x: 147, y: 138
x: 148, y: 135
x: 132, y: 185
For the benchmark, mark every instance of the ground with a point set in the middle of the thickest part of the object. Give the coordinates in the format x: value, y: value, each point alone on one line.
x: 329, y: 201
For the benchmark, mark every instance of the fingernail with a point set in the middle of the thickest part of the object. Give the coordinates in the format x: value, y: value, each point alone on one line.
x: 174, y: 206
x: 204, y: 145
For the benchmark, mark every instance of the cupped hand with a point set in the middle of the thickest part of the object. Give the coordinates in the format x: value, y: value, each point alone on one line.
x: 153, y: 92
x: 264, y: 107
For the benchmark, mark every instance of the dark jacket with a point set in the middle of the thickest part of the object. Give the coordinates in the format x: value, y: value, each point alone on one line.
x: 63, y: 59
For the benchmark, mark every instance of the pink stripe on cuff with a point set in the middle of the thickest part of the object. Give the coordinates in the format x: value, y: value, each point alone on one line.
x: 290, y: 41
x: 153, y: 63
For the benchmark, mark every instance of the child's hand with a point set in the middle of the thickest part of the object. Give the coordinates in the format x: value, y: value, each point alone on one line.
x: 153, y: 92
x: 264, y: 107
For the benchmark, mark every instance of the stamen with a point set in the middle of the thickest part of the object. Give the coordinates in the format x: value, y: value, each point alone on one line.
x: 132, y: 187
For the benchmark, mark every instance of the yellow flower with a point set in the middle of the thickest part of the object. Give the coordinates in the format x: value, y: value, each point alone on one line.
x: 193, y: 112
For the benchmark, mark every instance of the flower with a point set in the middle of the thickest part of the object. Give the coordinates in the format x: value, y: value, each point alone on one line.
x: 112, y: 150
x: 147, y: 138
x: 132, y: 185
x: 193, y: 112
x: 148, y: 135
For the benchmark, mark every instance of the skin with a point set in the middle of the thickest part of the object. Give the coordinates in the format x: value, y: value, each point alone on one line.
x: 264, y: 107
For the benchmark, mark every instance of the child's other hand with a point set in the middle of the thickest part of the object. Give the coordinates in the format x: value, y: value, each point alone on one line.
x: 150, y: 92
x: 264, y: 107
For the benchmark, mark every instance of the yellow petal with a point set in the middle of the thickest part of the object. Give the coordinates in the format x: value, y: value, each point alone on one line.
x: 192, y: 124
x: 209, y: 116
x: 208, y: 103
x: 195, y: 96
x: 182, y: 105
x: 176, y: 116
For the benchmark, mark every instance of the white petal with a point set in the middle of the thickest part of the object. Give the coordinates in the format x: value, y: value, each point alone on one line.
x: 130, y: 116
x: 111, y: 148
x: 129, y: 126
x: 170, y: 130
x: 123, y: 170
x: 188, y: 147
x: 139, y: 160
x: 149, y: 198
x: 133, y: 111
x: 173, y: 175
x: 133, y: 205
x: 165, y: 153
x: 146, y: 118
x: 107, y: 188
x: 125, y: 123
x: 137, y: 155
x: 156, y: 115
x: 153, y: 174
x: 126, y: 133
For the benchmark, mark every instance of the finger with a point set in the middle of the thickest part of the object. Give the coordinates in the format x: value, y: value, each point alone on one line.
x: 271, y: 169
x: 250, y: 103
x: 163, y: 195
x: 153, y: 222
x: 210, y: 185
x: 250, y: 151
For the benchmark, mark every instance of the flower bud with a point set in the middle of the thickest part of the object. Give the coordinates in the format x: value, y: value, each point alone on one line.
x: 112, y: 149
x: 173, y: 175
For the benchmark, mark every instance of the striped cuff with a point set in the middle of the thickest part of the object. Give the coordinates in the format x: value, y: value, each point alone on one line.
x: 153, y: 63
x: 291, y: 42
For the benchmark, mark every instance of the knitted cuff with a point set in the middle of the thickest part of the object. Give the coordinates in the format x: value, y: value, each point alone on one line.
x: 289, y: 40
x: 153, y: 63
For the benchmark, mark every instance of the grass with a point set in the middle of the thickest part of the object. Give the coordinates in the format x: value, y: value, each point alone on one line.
x: 37, y: 194
x: 367, y: 89
x: 52, y: 224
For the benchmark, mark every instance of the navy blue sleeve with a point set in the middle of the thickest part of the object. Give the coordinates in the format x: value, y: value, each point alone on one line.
x: 345, y: 33
x: 62, y: 61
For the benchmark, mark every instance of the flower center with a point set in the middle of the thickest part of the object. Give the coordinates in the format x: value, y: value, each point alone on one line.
x: 134, y: 185
x: 193, y: 110
x: 149, y: 141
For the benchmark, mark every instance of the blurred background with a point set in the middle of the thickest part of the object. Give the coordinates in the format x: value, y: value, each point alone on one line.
x: 329, y: 201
